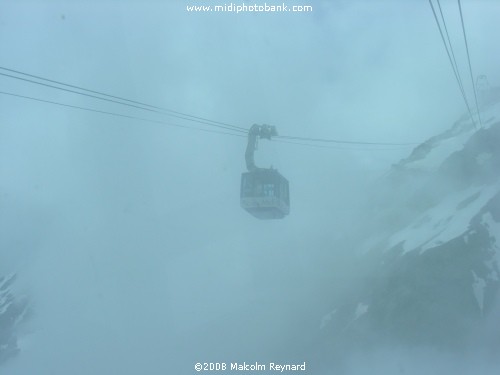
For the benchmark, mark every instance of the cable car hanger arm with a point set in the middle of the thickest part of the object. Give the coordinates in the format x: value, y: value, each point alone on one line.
x: 255, y: 132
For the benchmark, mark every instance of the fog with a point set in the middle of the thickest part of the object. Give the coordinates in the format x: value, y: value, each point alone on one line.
x: 128, y: 237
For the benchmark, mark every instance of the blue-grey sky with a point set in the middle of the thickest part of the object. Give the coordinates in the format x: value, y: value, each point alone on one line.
x: 129, y: 236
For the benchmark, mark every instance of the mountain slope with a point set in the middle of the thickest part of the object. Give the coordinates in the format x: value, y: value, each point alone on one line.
x: 429, y: 248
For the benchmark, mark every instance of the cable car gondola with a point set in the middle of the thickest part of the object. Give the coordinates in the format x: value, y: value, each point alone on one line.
x: 264, y: 191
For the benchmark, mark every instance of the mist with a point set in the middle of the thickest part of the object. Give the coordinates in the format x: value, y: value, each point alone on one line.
x: 127, y: 236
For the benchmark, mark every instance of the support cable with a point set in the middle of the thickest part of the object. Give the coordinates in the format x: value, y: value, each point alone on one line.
x: 451, y: 62
x: 120, y: 100
x: 457, y: 71
x: 339, y: 141
x: 470, y: 66
x: 118, y: 114
x: 231, y: 128
x: 283, y: 139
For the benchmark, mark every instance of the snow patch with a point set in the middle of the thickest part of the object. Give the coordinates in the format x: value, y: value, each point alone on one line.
x: 478, y: 287
x: 436, y: 226
x: 6, y: 298
x: 492, y: 113
x: 4, y: 305
x: 493, y: 227
x: 361, y: 309
x: 327, y: 318
x: 441, y: 150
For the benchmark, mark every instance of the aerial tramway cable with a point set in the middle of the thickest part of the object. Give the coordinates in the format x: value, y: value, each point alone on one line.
x: 232, y: 130
x: 470, y: 66
x: 453, y: 60
x: 457, y: 71
x: 142, y: 107
x: 118, y: 114
x: 453, y: 66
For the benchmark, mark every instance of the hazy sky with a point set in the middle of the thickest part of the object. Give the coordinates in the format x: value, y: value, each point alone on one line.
x: 129, y: 235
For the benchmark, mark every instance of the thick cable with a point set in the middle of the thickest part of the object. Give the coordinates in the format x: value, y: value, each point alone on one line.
x: 120, y: 100
x: 451, y: 62
x: 470, y: 66
x: 118, y: 114
x: 140, y: 105
x: 339, y: 147
x: 451, y: 50
x: 339, y: 141
x: 216, y: 131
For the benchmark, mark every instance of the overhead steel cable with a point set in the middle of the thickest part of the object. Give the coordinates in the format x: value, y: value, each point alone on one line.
x: 336, y: 146
x: 134, y: 104
x: 470, y: 66
x: 120, y: 100
x: 339, y: 147
x: 457, y: 77
x: 339, y: 141
x: 119, y: 114
x: 457, y: 71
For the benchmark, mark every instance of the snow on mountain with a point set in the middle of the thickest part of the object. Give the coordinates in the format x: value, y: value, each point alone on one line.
x: 430, y: 238
x: 12, y: 312
x: 445, y: 221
